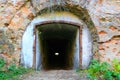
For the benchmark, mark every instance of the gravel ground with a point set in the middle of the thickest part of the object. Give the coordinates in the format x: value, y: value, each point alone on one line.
x: 52, y: 75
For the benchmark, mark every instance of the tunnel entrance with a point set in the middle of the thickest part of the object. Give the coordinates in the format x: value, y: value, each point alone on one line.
x: 56, y: 46
x: 53, y: 30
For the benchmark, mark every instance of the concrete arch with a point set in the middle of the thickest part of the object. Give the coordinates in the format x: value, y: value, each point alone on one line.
x: 27, y: 53
x: 69, y: 13
x: 76, y: 7
x: 80, y: 13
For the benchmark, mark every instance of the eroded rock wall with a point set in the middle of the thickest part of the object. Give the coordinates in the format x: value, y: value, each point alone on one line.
x: 15, y: 15
x: 106, y: 17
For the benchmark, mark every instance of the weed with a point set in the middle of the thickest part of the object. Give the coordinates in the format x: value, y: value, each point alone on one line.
x: 103, y: 71
x: 2, y: 63
x: 11, y: 71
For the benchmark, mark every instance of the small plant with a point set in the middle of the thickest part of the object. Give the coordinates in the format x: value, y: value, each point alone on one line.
x: 116, y: 68
x: 11, y: 71
x: 16, y: 70
x: 103, y: 71
x: 2, y: 63
x: 116, y: 65
x: 97, y: 70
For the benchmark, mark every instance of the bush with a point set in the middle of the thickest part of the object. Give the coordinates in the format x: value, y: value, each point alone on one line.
x: 11, y: 71
x: 103, y: 71
x: 116, y: 68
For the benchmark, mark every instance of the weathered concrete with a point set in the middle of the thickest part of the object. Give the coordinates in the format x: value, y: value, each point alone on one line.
x: 29, y: 38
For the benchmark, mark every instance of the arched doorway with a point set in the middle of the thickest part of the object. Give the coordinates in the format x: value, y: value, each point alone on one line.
x: 32, y: 52
x: 57, y: 46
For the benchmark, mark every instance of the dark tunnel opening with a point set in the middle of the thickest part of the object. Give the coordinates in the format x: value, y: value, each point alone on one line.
x: 57, y: 45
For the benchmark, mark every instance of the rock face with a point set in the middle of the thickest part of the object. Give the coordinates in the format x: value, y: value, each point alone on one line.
x: 15, y: 15
x: 106, y: 17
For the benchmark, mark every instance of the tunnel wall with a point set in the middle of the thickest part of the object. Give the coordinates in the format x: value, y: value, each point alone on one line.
x: 62, y: 38
x: 15, y: 15
x: 38, y: 61
x: 76, y: 52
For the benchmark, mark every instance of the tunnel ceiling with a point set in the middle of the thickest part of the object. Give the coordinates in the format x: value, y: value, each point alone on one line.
x: 57, y: 30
